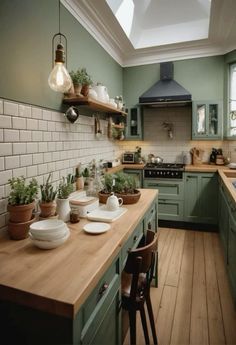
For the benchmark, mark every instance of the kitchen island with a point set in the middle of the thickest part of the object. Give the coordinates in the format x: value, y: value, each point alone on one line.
x: 61, y: 295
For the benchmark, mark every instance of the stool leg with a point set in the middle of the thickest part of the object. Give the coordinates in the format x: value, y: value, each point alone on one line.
x: 151, y: 317
x: 132, y: 323
x: 144, y: 324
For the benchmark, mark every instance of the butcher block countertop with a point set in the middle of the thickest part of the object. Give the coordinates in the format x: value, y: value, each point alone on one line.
x: 205, y: 168
x: 59, y: 280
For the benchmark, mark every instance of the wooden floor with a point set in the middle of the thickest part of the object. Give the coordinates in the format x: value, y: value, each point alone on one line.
x: 193, y: 303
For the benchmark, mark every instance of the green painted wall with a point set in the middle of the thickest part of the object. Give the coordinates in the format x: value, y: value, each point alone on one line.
x: 203, y: 78
x: 26, y: 31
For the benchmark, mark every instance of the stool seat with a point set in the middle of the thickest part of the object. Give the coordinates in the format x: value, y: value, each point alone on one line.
x: 135, y: 286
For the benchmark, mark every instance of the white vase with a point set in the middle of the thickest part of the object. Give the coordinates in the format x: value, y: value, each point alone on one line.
x: 63, y: 209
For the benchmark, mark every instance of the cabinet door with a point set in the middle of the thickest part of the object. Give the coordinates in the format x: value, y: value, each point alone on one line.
x: 168, y: 189
x: 207, y: 120
x: 208, y: 198
x: 138, y: 176
x: 191, y: 200
x: 223, y: 221
x: 232, y: 251
x: 134, y: 130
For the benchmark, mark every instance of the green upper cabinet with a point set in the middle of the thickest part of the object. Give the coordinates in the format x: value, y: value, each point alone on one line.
x: 134, y: 126
x: 207, y: 119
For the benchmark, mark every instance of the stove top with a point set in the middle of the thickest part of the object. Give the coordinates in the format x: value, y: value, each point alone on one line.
x: 170, y: 166
x: 164, y: 170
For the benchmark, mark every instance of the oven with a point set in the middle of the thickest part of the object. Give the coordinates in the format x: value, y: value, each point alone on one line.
x: 168, y: 179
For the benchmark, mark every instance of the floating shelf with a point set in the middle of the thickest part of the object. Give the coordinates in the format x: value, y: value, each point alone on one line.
x: 92, y: 104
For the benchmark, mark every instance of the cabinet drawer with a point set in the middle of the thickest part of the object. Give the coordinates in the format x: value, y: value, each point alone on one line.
x: 150, y: 219
x: 101, y: 291
x: 170, y: 209
x: 132, y: 242
x: 170, y: 189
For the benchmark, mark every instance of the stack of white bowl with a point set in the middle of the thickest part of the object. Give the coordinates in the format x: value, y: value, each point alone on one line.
x: 48, y: 234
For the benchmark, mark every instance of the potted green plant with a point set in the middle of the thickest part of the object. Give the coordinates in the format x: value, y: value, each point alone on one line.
x: 64, y: 190
x: 123, y: 185
x: 48, y: 195
x: 21, y: 203
x: 79, y: 79
x: 87, y: 81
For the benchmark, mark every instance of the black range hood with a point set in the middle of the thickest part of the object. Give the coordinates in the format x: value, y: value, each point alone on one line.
x: 166, y: 92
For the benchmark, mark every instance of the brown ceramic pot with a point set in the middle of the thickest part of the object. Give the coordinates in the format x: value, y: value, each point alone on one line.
x: 21, y: 213
x: 48, y: 209
x: 127, y: 198
x: 85, y: 90
x: 19, y: 231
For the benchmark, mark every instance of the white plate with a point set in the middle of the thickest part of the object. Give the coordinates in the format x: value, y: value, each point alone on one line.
x: 96, y: 228
x: 49, y: 236
x: 47, y: 225
x: 50, y: 244
x: 232, y: 165
x: 103, y: 215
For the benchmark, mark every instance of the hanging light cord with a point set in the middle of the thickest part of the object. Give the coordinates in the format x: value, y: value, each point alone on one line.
x: 59, y: 11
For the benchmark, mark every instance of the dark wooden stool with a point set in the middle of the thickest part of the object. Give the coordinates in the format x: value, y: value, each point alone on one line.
x: 135, y: 285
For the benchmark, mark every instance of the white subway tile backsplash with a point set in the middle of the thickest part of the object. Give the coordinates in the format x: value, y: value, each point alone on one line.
x: 47, y: 115
x: 42, y: 169
x: 19, y: 172
x: 43, y: 125
x: 18, y: 123
x: 24, y: 110
x: 43, y: 147
x: 2, y: 165
x: 19, y: 148
x: 32, y: 171
x: 32, y: 124
x: 32, y: 147
x: 38, y: 158
x: 1, y: 134
x: 47, y: 136
x: 2, y: 220
x: 12, y: 162
x: 2, y: 192
x: 25, y: 136
x: 47, y: 157
x: 4, y: 176
x: 5, y: 149
x: 10, y: 108
x: 37, y: 113
x: 26, y: 160
x: 5, y: 121
x: 3, y: 205
x: 51, y: 126
x: 37, y: 135
x: 1, y: 106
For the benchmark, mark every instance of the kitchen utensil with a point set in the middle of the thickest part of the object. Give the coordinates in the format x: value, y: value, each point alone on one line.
x: 156, y: 159
x: 113, y: 203
x: 102, y: 94
x: 96, y: 228
x: 197, y: 155
x: 72, y: 114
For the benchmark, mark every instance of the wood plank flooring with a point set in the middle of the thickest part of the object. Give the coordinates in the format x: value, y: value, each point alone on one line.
x: 192, y: 304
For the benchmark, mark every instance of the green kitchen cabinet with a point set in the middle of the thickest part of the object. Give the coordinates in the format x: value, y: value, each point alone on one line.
x: 134, y: 124
x: 137, y: 174
x: 170, y: 197
x: 207, y: 120
x: 232, y: 250
x: 223, y: 224
x: 201, y: 198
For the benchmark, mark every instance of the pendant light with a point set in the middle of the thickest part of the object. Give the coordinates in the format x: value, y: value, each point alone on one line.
x: 59, y: 79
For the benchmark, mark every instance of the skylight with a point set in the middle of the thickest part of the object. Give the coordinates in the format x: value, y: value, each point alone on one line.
x: 149, y: 23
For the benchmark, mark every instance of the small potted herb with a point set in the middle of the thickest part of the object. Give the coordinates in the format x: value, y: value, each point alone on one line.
x: 21, y: 203
x: 64, y: 190
x: 48, y: 195
x: 81, y: 78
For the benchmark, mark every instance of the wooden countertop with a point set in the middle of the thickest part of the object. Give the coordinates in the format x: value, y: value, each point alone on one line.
x: 59, y: 280
x: 205, y: 168
x: 228, y: 176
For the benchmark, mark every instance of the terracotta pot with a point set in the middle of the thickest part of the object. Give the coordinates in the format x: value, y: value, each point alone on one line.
x: 85, y: 90
x: 77, y: 89
x: 19, y: 231
x: 127, y: 198
x: 20, y: 213
x: 48, y: 209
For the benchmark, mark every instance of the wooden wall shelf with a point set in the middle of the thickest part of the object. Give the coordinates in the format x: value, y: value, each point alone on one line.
x: 92, y: 104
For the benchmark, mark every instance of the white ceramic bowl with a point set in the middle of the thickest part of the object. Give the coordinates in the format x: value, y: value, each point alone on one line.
x: 49, y: 235
x: 50, y: 244
x: 48, y: 225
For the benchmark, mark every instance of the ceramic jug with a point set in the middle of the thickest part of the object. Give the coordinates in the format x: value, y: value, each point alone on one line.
x: 113, y: 203
x: 101, y: 91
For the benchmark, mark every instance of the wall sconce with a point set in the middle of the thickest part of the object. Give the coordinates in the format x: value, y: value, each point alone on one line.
x: 59, y: 79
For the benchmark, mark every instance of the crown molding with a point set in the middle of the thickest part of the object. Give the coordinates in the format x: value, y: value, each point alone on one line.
x: 98, y: 20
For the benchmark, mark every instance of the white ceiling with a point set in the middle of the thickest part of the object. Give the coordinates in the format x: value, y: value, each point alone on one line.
x: 158, y: 30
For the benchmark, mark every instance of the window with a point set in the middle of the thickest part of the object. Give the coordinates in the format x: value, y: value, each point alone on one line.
x: 232, y: 100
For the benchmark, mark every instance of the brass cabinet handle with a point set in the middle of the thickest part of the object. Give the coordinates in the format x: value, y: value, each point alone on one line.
x: 102, y: 290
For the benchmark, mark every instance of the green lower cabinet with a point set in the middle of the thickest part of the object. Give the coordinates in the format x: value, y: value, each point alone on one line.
x: 232, y: 252
x: 223, y: 224
x: 201, y: 198
x: 170, y: 197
